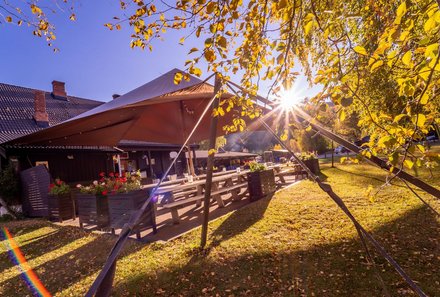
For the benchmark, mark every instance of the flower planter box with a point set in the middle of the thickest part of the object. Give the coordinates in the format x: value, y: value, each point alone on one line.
x: 313, y: 165
x: 61, y: 207
x: 261, y: 183
x: 122, y: 205
x: 92, y: 210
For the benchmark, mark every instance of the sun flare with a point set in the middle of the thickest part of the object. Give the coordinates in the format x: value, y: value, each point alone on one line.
x: 289, y: 98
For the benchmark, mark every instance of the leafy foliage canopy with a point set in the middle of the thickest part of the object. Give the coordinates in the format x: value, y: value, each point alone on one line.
x: 377, y: 59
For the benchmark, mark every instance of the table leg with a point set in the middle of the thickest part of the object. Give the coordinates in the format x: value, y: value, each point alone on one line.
x: 199, y: 192
x: 174, y: 212
x: 242, y: 178
x: 246, y: 191
x: 235, y: 195
x: 175, y: 215
x: 217, y: 197
x: 281, y: 177
x: 228, y: 182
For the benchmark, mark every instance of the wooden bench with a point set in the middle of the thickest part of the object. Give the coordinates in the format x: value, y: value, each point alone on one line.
x: 185, y: 193
x: 176, y: 195
x: 173, y: 206
x: 164, y: 183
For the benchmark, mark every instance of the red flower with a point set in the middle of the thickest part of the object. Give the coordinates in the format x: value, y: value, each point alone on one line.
x: 51, y: 186
x: 105, y: 192
x: 102, y: 174
x: 117, y: 174
x: 111, y: 174
x: 58, y: 181
x: 102, y: 180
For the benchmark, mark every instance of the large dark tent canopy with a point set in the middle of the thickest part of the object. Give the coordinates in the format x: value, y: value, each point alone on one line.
x: 158, y: 111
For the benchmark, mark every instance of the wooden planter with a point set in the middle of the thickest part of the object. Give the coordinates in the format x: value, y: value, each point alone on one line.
x: 61, y: 207
x: 261, y: 183
x: 122, y: 205
x: 92, y: 210
x: 313, y: 165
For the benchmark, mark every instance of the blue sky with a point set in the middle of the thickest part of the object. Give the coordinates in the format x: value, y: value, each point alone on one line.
x: 93, y: 61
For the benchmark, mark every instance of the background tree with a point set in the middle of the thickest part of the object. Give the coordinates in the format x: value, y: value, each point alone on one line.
x: 309, y: 141
x: 220, y: 142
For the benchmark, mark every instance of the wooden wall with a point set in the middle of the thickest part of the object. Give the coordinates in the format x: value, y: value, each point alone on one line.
x: 70, y: 165
x: 161, y: 162
x: 75, y: 166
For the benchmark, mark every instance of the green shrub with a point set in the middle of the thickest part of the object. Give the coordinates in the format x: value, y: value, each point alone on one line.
x: 255, y: 166
x: 9, y: 189
x: 307, y: 156
x: 6, y: 218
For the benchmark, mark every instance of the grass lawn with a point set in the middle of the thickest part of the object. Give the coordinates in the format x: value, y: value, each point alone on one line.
x: 298, y: 243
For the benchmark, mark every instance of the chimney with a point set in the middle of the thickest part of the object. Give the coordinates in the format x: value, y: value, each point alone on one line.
x: 40, y: 114
x: 59, y: 90
x: 115, y: 96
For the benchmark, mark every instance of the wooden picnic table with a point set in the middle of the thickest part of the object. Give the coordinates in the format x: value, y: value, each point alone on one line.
x: 197, y: 187
x: 200, y: 184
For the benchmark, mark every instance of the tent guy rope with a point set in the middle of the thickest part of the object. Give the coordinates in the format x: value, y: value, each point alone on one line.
x: 363, y: 234
x: 340, y: 203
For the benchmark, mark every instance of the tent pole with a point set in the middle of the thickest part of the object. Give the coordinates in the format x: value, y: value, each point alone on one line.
x: 194, y: 159
x: 150, y: 166
x: 119, y: 165
x: 188, y: 169
x: 208, y: 184
x: 191, y: 163
x: 333, y: 154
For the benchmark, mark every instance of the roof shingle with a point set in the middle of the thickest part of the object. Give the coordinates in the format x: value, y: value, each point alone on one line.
x: 17, y: 110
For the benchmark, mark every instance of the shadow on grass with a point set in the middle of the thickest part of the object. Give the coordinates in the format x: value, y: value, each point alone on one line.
x: 239, y: 221
x: 380, y: 177
x: 377, y: 175
x: 32, y: 248
x: 35, y: 246
x: 23, y: 228
x: 337, y: 269
x: 67, y: 269
x: 323, y: 176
